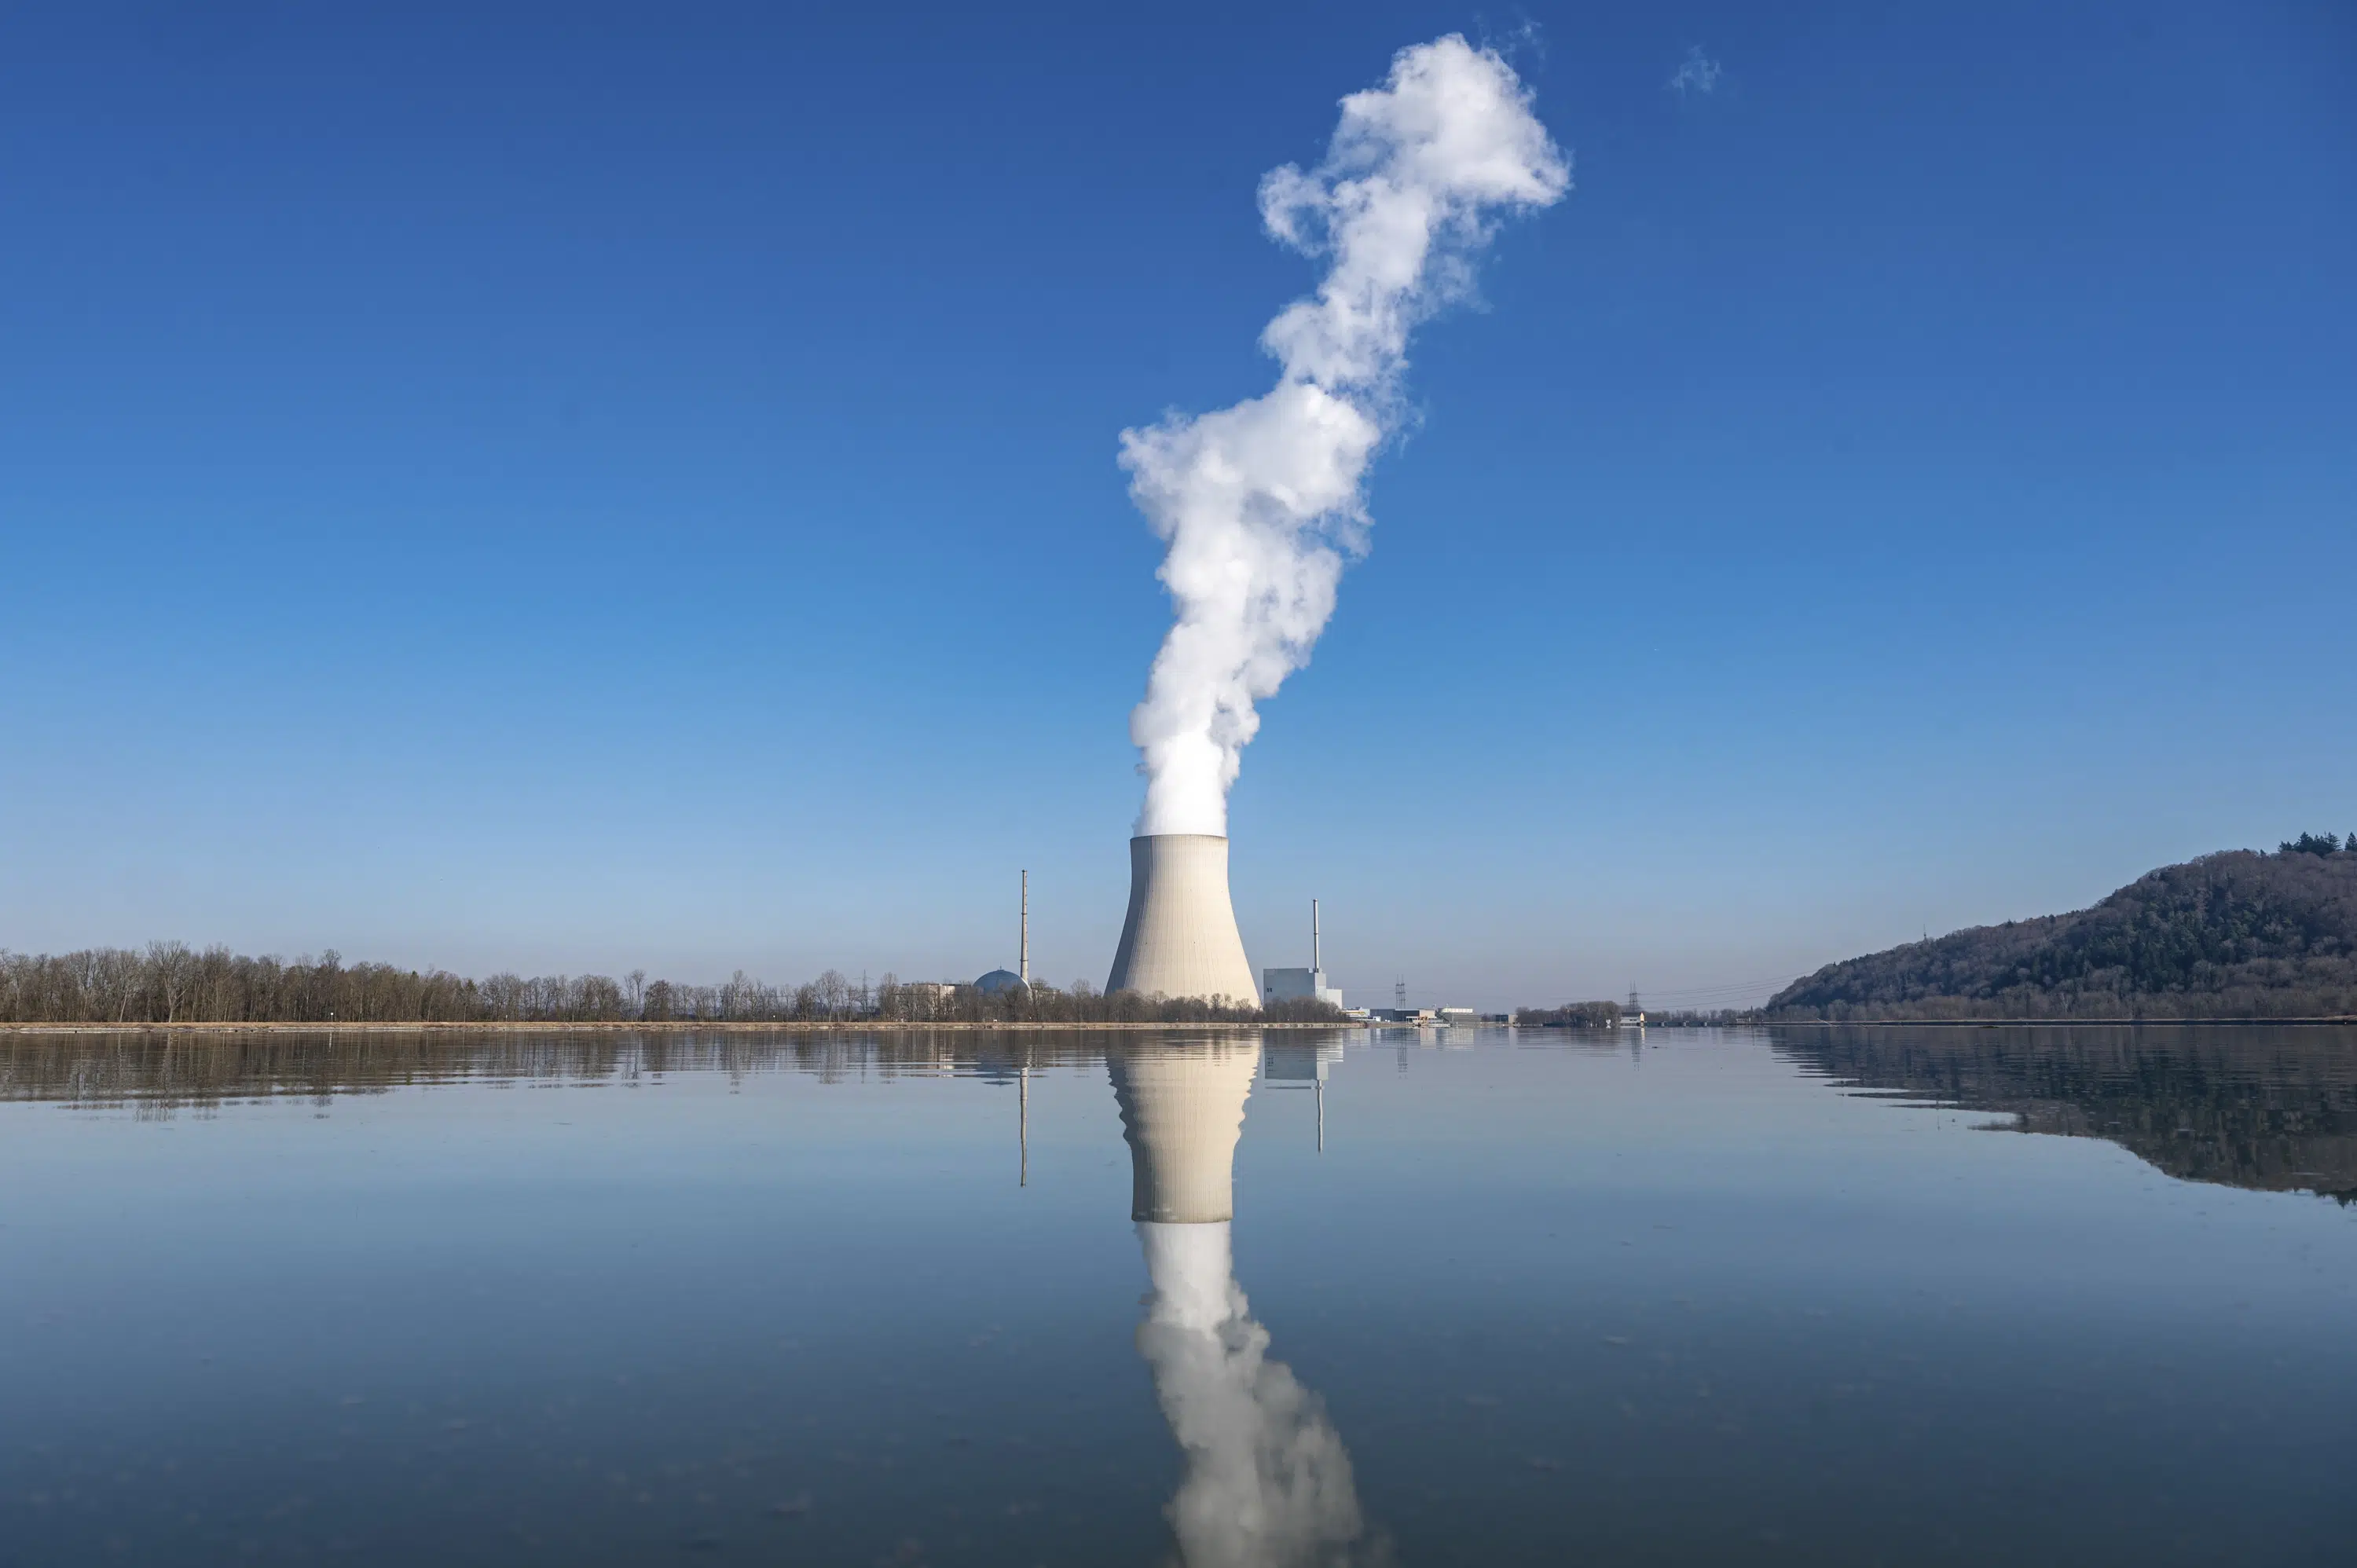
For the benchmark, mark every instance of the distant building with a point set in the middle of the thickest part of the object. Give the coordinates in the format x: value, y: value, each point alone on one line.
x: 1299, y: 986
x: 1018, y: 978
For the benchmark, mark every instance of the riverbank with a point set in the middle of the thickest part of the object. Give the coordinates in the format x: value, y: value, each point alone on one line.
x: 2342, y: 1020
x: 667, y: 1025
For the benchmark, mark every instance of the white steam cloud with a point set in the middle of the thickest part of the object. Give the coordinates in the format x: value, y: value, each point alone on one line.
x: 1262, y: 502
x: 1268, y: 1481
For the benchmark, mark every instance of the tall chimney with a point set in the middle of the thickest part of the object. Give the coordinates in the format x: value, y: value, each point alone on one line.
x: 1023, y: 963
x: 1315, y: 966
x: 1180, y: 937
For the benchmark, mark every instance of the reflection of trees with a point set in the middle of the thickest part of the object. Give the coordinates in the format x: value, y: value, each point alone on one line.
x: 157, y: 1074
x: 2270, y: 1108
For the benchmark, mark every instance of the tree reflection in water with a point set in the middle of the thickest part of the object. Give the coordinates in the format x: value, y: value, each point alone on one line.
x: 2271, y: 1107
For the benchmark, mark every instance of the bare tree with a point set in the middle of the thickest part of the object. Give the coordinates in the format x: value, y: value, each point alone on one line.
x: 171, y: 966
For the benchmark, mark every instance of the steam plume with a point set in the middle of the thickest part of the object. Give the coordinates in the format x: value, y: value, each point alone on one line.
x: 1261, y: 502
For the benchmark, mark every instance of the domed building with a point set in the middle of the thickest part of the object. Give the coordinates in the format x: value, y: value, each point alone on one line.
x: 1004, y: 980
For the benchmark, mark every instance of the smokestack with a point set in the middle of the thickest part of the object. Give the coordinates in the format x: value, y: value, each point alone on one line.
x: 1316, y: 966
x: 1024, y: 962
x: 1180, y: 937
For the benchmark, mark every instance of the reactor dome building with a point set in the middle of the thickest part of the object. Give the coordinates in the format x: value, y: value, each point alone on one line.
x: 1180, y: 937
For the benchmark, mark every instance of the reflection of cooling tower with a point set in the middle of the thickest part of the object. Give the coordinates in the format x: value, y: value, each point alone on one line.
x: 1268, y: 1482
x: 1182, y: 1109
x: 1180, y: 937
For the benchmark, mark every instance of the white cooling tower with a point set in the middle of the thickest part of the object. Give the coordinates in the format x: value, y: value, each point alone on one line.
x: 1180, y: 937
x: 1182, y: 1109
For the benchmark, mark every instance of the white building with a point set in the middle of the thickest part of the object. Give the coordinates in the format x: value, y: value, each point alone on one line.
x: 1301, y: 984
x: 1298, y: 985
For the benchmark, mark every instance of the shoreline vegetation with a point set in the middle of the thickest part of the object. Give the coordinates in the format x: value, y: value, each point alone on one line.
x: 681, y: 1025
x: 171, y: 985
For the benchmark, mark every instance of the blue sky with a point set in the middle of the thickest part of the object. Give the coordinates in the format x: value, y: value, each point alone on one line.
x: 576, y: 489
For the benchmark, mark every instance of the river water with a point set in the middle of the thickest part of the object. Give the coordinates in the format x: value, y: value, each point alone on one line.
x: 1791, y: 1296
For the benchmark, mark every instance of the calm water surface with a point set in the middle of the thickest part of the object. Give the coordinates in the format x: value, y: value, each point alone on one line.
x: 1822, y: 1296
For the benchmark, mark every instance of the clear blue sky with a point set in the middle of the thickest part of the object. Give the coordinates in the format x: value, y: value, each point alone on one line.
x: 584, y: 487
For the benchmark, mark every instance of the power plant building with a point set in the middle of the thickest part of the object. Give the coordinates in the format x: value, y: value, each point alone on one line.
x: 1299, y: 986
x: 1302, y: 985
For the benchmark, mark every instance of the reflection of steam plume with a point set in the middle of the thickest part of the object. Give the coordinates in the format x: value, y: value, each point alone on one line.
x: 1268, y: 1482
x: 1262, y: 501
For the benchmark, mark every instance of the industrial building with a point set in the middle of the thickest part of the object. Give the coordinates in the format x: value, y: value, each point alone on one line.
x: 1302, y: 985
x: 1439, y: 1017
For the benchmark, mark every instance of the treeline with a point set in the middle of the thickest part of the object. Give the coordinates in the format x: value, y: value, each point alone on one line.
x: 2318, y: 844
x: 1607, y: 1016
x: 170, y: 982
x: 1570, y: 1015
x: 2237, y: 935
x: 1702, y: 1017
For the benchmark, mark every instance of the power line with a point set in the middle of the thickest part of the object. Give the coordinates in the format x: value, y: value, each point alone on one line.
x: 1723, y: 986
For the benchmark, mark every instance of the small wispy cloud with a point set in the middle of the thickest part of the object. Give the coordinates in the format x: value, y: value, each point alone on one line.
x: 1696, y: 73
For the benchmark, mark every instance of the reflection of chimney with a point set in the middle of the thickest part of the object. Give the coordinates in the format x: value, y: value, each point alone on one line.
x: 1180, y: 937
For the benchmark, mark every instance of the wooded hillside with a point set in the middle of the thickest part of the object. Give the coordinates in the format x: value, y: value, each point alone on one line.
x: 2236, y: 935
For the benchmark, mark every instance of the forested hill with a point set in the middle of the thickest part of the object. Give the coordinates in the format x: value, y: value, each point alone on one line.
x: 2236, y: 935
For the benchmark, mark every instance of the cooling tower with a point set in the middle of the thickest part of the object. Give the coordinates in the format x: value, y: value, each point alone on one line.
x: 1180, y: 937
x: 1182, y: 1109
